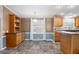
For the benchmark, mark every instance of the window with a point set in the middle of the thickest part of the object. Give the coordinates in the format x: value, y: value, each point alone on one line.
x: 68, y: 22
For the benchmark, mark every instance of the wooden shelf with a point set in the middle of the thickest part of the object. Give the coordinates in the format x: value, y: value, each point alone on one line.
x: 14, y: 37
x: 14, y: 23
x: 17, y: 20
x: 17, y: 24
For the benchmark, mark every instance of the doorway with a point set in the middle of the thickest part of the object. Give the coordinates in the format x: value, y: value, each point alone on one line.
x: 37, y: 30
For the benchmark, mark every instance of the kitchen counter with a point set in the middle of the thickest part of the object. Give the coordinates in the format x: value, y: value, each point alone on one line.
x: 70, y: 41
x: 59, y: 33
x: 69, y: 31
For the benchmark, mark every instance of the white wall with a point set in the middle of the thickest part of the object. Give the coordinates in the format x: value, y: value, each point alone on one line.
x: 1, y: 25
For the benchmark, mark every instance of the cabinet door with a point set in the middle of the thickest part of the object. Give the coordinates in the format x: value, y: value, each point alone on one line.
x: 66, y: 43
x: 10, y: 40
x: 11, y: 23
x: 77, y: 21
x: 58, y: 22
x: 58, y: 36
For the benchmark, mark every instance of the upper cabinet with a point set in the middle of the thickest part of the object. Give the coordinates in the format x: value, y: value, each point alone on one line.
x: 77, y: 21
x: 58, y: 21
x: 14, y: 23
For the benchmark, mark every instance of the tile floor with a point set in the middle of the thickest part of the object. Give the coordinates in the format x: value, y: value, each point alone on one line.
x: 35, y: 47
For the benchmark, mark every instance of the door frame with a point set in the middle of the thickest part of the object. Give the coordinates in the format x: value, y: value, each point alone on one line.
x: 31, y: 34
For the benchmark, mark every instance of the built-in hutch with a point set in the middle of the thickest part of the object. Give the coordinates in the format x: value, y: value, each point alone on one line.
x: 14, y: 36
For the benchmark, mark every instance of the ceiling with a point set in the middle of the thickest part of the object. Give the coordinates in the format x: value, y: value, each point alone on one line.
x: 44, y: 10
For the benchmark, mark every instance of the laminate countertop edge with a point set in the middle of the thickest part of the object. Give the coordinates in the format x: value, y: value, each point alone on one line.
x: 67, y: 32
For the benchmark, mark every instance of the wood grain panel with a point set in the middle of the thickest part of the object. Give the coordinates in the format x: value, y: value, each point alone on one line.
x: 58, y: 21
x: 11, y: 23
x: 14, y: 39
x: 75, y: 44
x: 70, y: 43
x: 77, y: 21
x: 58, y: 36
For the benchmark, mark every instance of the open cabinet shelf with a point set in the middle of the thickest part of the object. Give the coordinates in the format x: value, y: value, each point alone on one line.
x: 14, y: 23
x: 14, y: 37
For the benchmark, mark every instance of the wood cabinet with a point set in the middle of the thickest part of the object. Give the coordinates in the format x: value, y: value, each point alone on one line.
x: 77, y: 21
x: 66, y: 43
x: 14, y: 23
x: 58, y: 21
x: 14, y: 39
x: 70, y: 43
x: 58, y: 36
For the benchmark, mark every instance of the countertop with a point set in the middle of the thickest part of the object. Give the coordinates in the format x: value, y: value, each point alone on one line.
x: 68, y: 32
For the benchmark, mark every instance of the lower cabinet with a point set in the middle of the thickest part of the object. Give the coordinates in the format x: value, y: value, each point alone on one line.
x: 70, y: 43
x: 66, y: 44
x: 14, y: 39
x: 58, y: 36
